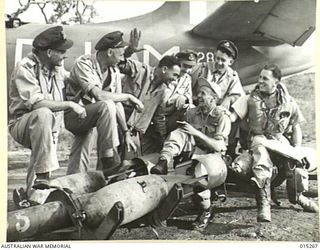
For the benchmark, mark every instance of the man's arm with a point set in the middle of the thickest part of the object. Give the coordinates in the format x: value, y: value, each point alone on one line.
x: 234, y: 91
x: 61, y: 106
x: 295, y: 121
x: 216, y: 145
x: 133, y: 47
x: 29, y: 90
x: 121, y: 118
x: 239, y: 108
x: 296, y: 135
x: 101, y: 95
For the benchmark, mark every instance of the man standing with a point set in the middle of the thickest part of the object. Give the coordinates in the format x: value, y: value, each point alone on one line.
x: 204, y: 131
x: 37, y: 103
x: 95, y: 81
x: 270, y: 111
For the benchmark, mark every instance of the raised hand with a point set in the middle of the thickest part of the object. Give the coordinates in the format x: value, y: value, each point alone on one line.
x: 135, y: 36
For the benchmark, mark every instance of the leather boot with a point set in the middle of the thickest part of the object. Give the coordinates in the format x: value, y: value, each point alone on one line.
x: 307, y: 204
x: 263, y: 202
x: 161, y: 168
x: 42, y: 181
x: 203, y: 219
x: 110, y: 166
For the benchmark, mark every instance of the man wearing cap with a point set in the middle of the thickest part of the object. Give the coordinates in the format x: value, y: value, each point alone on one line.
x: 177, y: 97
x: 37, y: 103
x: 95, y: 81
x: 270, y: 111
x: 204, y: 131
x: 220, y: 74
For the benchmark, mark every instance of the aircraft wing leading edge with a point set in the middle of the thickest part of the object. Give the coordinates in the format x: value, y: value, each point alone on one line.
x: 264, y: 23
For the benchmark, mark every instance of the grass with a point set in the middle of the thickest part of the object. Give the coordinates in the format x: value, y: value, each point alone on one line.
x: 302, y: 88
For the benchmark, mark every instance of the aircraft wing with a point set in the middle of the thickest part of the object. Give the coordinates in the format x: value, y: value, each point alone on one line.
x: 267, y: 22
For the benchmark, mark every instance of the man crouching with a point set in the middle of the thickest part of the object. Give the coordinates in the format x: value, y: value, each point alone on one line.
x: 204, y: 131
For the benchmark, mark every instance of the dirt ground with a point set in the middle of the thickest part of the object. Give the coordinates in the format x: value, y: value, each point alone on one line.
x: 235, y: 219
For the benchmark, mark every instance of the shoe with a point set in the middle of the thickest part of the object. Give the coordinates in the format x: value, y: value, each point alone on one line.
x: 42, y: 181
x: 274, y: 197
x: 161, y: 168
x: 20, y: 198
x: 203, y: 219
x: 110, y: 166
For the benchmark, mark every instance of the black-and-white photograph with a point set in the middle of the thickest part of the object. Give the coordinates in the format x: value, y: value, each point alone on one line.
x: 158, y: 121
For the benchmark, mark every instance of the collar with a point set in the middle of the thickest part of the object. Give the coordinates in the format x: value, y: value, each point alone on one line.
x: 44, y: 70
x: 96, y: 64
x: 281, y: 93
x: 228, y: 71
x: 211, y: 113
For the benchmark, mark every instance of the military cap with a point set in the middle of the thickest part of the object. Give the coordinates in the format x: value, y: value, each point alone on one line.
x: 188, y: 57
x: 111, y: 40
x: 228, y: 47
x: 203, y: 82
x: 52, y: 38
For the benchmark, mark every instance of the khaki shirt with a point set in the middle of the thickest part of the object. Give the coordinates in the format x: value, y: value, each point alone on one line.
x: 31, y: 83
x: 216, y: 124
x: 87, y: 74
x: 139, y: 82
x: 181, y: 87
x: 269, y: 115
x: 229, y: 81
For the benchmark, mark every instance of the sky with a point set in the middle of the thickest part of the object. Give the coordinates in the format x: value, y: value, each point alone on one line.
x: 107, y: 10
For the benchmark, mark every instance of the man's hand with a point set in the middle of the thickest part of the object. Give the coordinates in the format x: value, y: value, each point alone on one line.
x: 135, y: 36
x: 129, y: 142
x: 137, y: 103
x: 226, y: 103
x: 180, y: 102
x: 81, y: 111
x: 188, y: 128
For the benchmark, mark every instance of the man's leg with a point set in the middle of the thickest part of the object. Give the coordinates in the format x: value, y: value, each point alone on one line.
x: 203, y: 200
x: 262, y: 173
x: 79, y: 159
x: 173, y: 146
x: 233, y: 139
x: 34, y: 131
x: 101, y: 115
x: 205, y: 213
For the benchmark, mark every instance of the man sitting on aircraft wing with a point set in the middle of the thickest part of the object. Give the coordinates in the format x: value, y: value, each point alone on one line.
x: 219, y: 73
x: 204, y: 131
x: 270, y: 111
x: 177, y: 97
x: 95, y: 81
x: 37, y: 103
x: 148, y: 84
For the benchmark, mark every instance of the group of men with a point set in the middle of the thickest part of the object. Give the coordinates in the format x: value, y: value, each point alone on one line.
x: 177, y: 106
